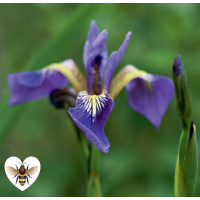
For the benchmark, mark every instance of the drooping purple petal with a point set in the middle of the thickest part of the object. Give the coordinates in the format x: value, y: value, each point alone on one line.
x: 33, y: 79
x: 90, y: 115
x: 113, y: 61
x: 28, y: 86
x: 151, y: 98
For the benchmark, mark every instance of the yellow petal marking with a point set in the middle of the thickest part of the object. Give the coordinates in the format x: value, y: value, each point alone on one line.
x: 128, y: 73
x: 70, y: 70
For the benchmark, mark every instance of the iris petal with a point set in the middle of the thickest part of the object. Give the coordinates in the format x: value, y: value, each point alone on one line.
x: 92, y: 35
x: 150, y: 96
x: 113, y: 61
x: 28, y: 86
x: 69, y: 69
x: 98, y: 50
x: 32, y: 79
x: 90, y: 115
x: 95, y: 56
x: 128, y: 73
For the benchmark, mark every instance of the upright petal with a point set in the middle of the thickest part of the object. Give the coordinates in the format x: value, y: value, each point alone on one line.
x: 28, y: 86
x: 92, y: 35
x: 95, y: 58
x: 150, y: 96
x: 97, y: 61
x: 90, y: 115
x: 99, y: 51
x: 113, y: 61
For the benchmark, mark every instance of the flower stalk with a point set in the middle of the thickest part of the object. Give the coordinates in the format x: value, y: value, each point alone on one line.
x: 89, y: 154
x: 65, y: 98
x: 82, y: 144
x: 187, y: 160
x: 94, y: 189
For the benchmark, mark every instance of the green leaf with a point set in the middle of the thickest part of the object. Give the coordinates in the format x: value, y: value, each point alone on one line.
x: 190, y: 167
x: 186, y: 171
x: 180, y: 187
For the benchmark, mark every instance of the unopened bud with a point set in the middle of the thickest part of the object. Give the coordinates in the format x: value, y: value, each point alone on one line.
x: 184, y: 107
x: 187, y: 160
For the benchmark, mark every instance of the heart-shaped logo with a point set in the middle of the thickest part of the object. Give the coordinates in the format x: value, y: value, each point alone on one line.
x: 22, y: 175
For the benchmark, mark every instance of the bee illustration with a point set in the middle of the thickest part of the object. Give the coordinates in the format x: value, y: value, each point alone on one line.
x: 22, y: 173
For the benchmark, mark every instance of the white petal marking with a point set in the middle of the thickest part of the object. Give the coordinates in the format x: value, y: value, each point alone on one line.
x: 93, y: 105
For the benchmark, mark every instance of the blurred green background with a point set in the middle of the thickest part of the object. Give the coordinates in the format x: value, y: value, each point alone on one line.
x: 141, y: 160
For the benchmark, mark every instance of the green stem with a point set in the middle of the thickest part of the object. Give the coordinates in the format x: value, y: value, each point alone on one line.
x: 82, y: 144
x: 90, y: 160
x: 94, y: 189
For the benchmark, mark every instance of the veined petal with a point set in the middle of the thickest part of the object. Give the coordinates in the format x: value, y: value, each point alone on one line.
x: 70, y: 70
x: 90, y: 115
x: 150, y: 96
x: 113, y: 61
x: 128, y: 73
x: 28, y: 86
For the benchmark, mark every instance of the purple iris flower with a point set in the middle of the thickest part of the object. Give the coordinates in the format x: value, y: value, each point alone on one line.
x: 148, y: 94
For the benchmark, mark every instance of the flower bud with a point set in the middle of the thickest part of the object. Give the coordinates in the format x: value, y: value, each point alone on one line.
x: 187, y: 161
x: 184, y: 107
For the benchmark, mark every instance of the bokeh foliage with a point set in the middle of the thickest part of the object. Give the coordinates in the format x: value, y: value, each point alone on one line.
x: 141, y: 160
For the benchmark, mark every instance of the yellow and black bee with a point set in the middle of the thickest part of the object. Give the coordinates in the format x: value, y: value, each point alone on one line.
x: 22, y: 173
